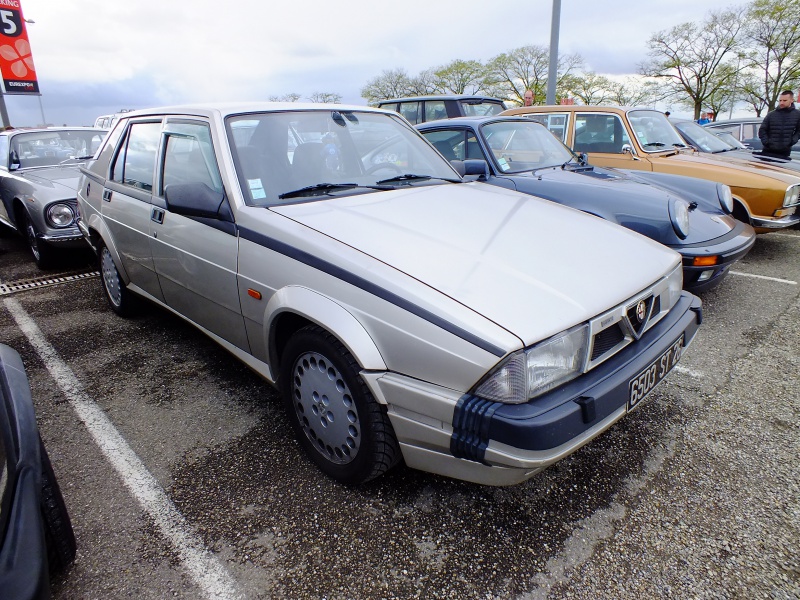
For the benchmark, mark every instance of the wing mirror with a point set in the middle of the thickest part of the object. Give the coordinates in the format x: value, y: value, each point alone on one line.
x: 471, y: 166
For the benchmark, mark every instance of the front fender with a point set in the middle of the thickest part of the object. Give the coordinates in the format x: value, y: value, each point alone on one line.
x: 99, y: 232
x: 302, y: 302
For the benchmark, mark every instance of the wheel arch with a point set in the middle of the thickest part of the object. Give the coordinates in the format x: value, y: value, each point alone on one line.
x: 294, y: 307
x: 741, y: 211
x: 99, y: 234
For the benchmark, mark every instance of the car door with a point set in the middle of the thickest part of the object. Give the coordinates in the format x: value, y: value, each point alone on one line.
x: 196, y: 256
x: 605, y: 139
x: 126, y: 203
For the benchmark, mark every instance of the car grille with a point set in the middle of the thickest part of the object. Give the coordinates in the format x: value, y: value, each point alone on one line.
x: 624, y: 324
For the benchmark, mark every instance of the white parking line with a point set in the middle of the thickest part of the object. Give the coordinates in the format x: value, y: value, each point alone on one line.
x: 797, y: 237
x: 786, y: 281
x: 208, y: 573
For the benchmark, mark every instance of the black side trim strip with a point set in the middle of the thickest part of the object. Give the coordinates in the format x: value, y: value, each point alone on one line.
x: 335, y: 271
x: 471, y: 419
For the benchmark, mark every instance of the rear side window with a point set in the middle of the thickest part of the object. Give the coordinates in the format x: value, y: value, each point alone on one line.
x: 135, y: 163
x: 410, y: 110
x: 434, y: 110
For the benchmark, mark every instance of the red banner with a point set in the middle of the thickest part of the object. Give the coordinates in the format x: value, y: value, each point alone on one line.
x: 16, y: 61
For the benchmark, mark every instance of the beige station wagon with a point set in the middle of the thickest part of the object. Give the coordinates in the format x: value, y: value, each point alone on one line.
x: 643, y: 139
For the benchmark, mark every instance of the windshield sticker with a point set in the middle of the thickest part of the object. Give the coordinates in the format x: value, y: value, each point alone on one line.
x: 503, y: 164
x: 256, y: 189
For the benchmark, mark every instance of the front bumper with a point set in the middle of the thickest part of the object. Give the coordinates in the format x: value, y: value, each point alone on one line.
x: 69, y: 237
x: 781, y: 222
x: 499, y: 444
x: 729, y: 248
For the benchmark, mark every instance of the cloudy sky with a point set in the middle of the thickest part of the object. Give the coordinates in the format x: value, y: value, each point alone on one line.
x: 96, y: 56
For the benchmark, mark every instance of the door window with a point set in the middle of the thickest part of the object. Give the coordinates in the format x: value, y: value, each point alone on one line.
x: 189, y: 156
x: 136, y: 161
x: 599, y: 133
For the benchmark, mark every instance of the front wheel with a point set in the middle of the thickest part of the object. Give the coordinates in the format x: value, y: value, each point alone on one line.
x: 119, y: 298
x: 42, y: 252
x: 337, y: 420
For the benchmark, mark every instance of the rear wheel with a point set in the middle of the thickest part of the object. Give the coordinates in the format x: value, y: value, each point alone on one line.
x: 58, y: 535
x: 121, y: 301
x: 337, y: 420
x: 42, y: 252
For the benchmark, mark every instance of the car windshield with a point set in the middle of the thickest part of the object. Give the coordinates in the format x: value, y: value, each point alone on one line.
x: 701, y: 137
x: 730, y: 140
x: 480, y: 108
x: 653, y: 131
x: 285, y: 156
x: 519, y: 146
x: 48, y: 148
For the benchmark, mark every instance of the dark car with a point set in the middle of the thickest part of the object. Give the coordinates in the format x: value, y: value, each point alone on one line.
x: 431, y: 108
x: 746, y: 131
x: 39, y: 171
x: 703, y: 139
x: 36, y: 537
x: 689, y: 215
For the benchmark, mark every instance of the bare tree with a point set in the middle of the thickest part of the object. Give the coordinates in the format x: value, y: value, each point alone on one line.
x: 772, y: 33
x: 461, y: 77
x: 392, y: 83
x: 591, y: 88
x: 325, y: 98
x: 688, y: 56
x: 508, y: 75
x: 291, y: 97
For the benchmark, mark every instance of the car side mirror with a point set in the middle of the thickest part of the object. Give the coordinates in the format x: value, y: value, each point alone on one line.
x: 583, y: 158
x: 197, y: 200
x: 14, y: 164
x: 627, y: 149
x: 471, y: 166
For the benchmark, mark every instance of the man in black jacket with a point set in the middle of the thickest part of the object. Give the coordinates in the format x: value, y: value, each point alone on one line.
x: 780, y: 129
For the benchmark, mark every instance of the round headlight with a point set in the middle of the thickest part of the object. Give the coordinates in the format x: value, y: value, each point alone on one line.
x: 679, y: 214
x: 725, y: 197
x: 60, y: 215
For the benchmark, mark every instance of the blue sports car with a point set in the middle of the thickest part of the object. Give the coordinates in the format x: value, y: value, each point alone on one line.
x: 689, y: 215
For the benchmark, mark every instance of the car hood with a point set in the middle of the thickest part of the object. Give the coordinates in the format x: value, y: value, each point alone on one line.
x: 750, y: 157
x: 531, y: 266
x: 633, y: 202
x: 733, y: 171
x: 59, y: 179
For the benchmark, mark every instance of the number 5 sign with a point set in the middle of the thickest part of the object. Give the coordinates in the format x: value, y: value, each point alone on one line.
x: 16, y: 61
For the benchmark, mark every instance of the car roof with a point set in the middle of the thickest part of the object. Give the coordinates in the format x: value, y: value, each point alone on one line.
x: 441, y: 97
x: 16, y: 131
x: 477, y: 120
x: 736, y: 121
x: 235, y: 108
x: 575, y: 108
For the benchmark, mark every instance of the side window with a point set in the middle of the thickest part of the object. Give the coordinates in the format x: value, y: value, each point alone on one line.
x: 473, y: 147
x: 391, y: 106
x: 136, y: 161
x: 4, y: 151
x: 555, y: 123
x: 599, y: 133
x: 435, y: 110
x: 449, y: 142
x: 189, y: 156
x: 732, y: 129
x: 750, y: 130
x: 410, y: 110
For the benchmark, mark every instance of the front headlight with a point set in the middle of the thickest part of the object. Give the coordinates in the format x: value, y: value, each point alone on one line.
x: 674, y: 286
x: 532, y: 372
x: 60, y: 215
x: 725, y: 197
x: 792, y: 195
x: 679, y: 215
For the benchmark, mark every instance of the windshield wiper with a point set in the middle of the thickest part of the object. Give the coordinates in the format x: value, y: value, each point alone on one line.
x: 319, y: 189
x: 408, y: 177
x: 678, y: 145
x: 654, y: 144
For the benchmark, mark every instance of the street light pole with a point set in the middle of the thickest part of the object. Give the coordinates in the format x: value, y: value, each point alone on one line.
x: 553, y: 69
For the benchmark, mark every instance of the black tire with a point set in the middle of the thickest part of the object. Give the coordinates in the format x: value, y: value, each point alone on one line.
x: 119, y: 298
x: 338, y: 422
x: 58, y: 535
x: 43, y: 253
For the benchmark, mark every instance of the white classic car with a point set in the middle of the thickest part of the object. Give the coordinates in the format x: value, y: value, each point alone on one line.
x: 402, y: 312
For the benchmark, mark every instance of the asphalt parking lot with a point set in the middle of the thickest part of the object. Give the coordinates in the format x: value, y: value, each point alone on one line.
x: 183, y: 479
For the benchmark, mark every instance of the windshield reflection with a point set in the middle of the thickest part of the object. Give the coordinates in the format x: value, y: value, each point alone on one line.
x: 519, y: 146
x: 653, y: 131
x: 283, y: 156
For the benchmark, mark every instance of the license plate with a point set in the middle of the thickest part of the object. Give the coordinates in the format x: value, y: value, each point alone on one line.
x: 644, y: 382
